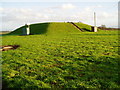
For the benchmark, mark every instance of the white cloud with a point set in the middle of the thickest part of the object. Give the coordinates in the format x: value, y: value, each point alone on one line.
x: 60, y: 0
x: 105, y: 14
x: 96, y: 6
x: 110, y: 19
x: 20, y: 14
x: 68, y: 6
x: 1, y: 9
x: 15, y: 17
x: 86, y: 15
x: 48, y: 10
x: 65, y: 6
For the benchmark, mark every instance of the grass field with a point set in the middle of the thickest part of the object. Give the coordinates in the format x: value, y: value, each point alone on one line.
x: 61, y: 57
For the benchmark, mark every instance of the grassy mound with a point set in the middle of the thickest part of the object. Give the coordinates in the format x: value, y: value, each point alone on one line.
x: 52, y: 28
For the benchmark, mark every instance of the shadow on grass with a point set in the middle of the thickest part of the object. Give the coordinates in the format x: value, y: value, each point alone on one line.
x: 86, y: 30
x: 40, y: 28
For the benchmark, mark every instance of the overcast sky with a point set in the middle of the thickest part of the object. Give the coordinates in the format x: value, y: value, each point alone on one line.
x: 15, y: 13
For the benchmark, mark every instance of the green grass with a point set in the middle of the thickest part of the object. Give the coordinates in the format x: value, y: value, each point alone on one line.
x: 48, y: 28
x: 62, y: 60
x: 83, y: 26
